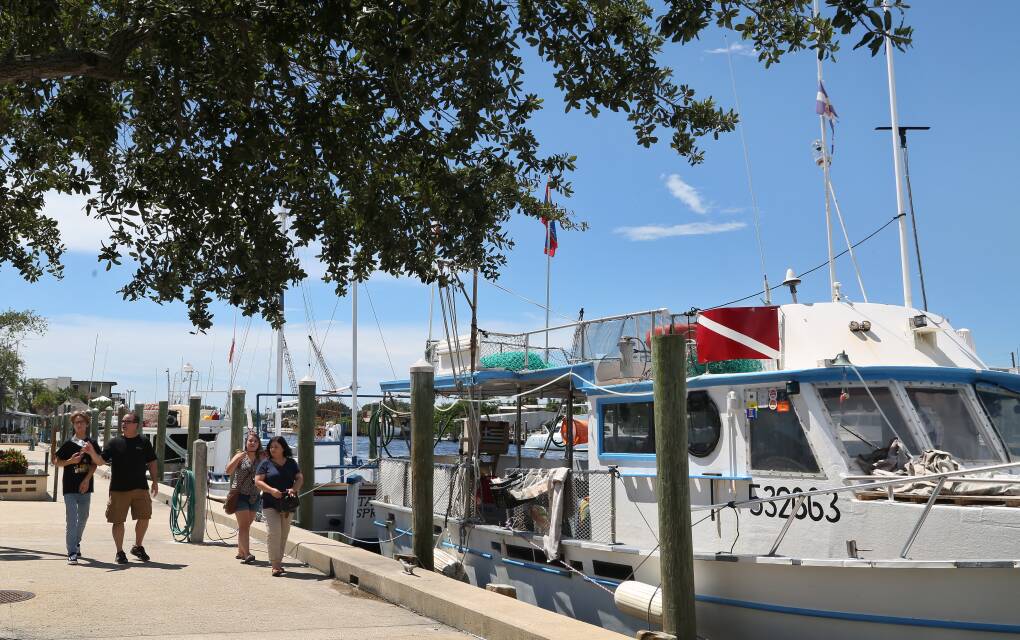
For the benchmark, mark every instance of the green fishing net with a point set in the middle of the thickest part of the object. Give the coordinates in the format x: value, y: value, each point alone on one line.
x: 513, y: 361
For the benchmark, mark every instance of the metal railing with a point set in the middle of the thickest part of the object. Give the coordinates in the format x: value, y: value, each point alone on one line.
x: 589, y: 509
x: 939, y: 478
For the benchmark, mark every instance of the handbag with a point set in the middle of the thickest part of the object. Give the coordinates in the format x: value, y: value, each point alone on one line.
x: 230, y: 505
x: 289, y: 503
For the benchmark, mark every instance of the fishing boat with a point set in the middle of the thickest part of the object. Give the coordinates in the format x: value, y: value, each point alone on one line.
x: 854, y: 469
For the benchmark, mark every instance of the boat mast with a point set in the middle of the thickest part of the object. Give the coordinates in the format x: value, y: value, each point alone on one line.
x: 354, y: 372
x: 280, y: 348
x: 825, y: 176
x: 901, y: 213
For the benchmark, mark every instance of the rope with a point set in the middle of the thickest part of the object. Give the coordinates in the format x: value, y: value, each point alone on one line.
x: 382, y: 338
x: 182, y: 505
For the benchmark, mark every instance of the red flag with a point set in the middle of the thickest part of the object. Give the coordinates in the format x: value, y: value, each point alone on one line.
x: 230, y: 358
x: 738, y: 332
x: 550, y: 228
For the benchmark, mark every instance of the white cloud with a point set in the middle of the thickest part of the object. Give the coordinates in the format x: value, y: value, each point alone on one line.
x: 656, y: 232
x: 77, y: 231
x: 686, y: 193
x: 737, y: 48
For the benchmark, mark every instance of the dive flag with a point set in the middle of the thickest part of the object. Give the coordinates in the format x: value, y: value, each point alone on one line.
x: 550, y: 228
x: 230, y: 357
x: 731, y: 333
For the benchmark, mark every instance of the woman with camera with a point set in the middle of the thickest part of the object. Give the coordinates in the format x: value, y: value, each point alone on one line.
x: 280, y: 480
x: 242, y: 486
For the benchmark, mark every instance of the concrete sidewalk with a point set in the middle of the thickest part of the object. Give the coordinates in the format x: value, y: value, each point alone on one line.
x: 186, y: 592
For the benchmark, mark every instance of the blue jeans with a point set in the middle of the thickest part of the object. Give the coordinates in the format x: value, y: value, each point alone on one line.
x: 76, y: 507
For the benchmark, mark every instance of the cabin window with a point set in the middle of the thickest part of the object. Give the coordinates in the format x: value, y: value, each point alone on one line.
x: 949, y: 424
x: 860, y: 425
x: 703, y: 424
x: 1003, y: 409
x: 612, y: 570
x: 778, y: 442
x: 628, y: 427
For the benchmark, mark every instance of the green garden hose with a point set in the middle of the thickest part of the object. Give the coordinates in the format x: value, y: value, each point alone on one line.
x: 182, y: 507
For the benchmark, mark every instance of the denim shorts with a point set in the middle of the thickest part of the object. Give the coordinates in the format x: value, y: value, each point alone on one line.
x: 248, y: 503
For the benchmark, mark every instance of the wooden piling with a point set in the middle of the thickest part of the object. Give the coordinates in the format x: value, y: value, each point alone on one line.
x: 94, y: 424
x: 140, y: 414
x: 306, y: 449
x: 164, y: 412
x: 107, y: 425
x: 674, y: 501
x: 200, y: 457
x: 423, y: 397
x: 121, y: 410
x: 194, y: 415
x: 237, y: 420
x: 54, y: 435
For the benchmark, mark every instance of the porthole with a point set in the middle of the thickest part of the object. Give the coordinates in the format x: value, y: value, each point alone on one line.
x: 704, y: 427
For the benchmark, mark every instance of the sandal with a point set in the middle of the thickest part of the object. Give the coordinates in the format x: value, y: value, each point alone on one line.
x: 277, y: 573
x: 250, y: 559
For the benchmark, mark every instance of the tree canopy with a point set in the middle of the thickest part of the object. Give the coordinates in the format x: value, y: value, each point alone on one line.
x: 14, y: 327
x: 394, y: 134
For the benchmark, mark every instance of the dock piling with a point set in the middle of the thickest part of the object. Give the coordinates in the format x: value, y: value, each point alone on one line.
x: 306, y: 450
x: 94, y: 424
x: 121, y: 410
x: 194, y: 415
x: 237, y: 420
x: 423, y: 397
x: 164, y: 412
x: 674, y: 500
x: 107, y: 424
x: 200, y: 456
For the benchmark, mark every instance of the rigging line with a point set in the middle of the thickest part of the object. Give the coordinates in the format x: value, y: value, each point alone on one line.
x: 329, y: 326
x: 382, y: 338
x: 528, y: 300
x: 236, y: 364
x: 747, y: 168
x: 816, y: 267
x: 846, y: 236
x: 255, y: 352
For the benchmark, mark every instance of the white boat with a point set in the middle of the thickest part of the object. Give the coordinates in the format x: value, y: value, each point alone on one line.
x: 839, y: 556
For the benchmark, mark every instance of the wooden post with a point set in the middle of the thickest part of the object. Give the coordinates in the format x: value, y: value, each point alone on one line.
x: 194, y: 414
x: 237, y: 420
x: 94, y: 424
x: 675, y: 555
x: 423, y: 398
x: 306, y: 450
x: 107, y: 424
x: 570, y: 424
x: 518, y: 430
x: 121, y: 410
x: 200, y: 457
x: 54, y: 434
x: 140, y: 414
x: 164, y: 411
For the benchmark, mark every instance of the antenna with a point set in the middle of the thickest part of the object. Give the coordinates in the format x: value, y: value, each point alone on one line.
x: 910, y: 198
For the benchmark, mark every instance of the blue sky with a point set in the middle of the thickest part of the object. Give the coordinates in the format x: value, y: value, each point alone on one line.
x: 959, y: 78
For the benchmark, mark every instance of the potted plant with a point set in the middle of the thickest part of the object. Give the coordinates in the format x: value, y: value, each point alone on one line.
x: 13, y: 461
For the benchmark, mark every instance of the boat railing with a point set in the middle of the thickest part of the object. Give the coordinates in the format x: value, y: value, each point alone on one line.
x: 869, y: 483
x: 533, y: 342
x: 589, y: 500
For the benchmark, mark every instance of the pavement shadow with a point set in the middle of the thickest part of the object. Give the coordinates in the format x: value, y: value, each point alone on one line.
x: 16, y: 553
x: 92, y: 563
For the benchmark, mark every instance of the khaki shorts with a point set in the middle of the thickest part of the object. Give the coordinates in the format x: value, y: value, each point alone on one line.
x: 137, y: 500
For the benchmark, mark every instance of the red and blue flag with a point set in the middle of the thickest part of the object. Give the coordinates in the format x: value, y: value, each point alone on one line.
x: 550, y: 228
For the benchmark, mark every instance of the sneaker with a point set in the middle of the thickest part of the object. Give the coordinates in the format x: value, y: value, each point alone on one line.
x: 138, y: 551
x: 72, y: 558
x: 121, y: 558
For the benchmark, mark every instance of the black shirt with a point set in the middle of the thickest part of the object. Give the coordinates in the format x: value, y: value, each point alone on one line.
x: 128, y: 458
x: 75, y: 473
x: 281, y: 478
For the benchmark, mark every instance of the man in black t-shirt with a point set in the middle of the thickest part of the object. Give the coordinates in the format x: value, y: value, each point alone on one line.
x: 128, y: 456
x: 73, y: 457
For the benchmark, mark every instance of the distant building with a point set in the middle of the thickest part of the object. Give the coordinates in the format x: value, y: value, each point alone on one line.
x: 93, y: 388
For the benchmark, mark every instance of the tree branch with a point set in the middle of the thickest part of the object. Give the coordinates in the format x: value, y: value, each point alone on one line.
x: 74, y: 62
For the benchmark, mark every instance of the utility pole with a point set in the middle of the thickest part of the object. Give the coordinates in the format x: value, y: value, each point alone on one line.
x: 674, y: 501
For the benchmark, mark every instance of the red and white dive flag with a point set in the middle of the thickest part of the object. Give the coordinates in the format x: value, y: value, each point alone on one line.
x: 732, y: 333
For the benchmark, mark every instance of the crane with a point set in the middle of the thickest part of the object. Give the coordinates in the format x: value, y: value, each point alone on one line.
x: 290, y: 366
x: 322, y: 363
